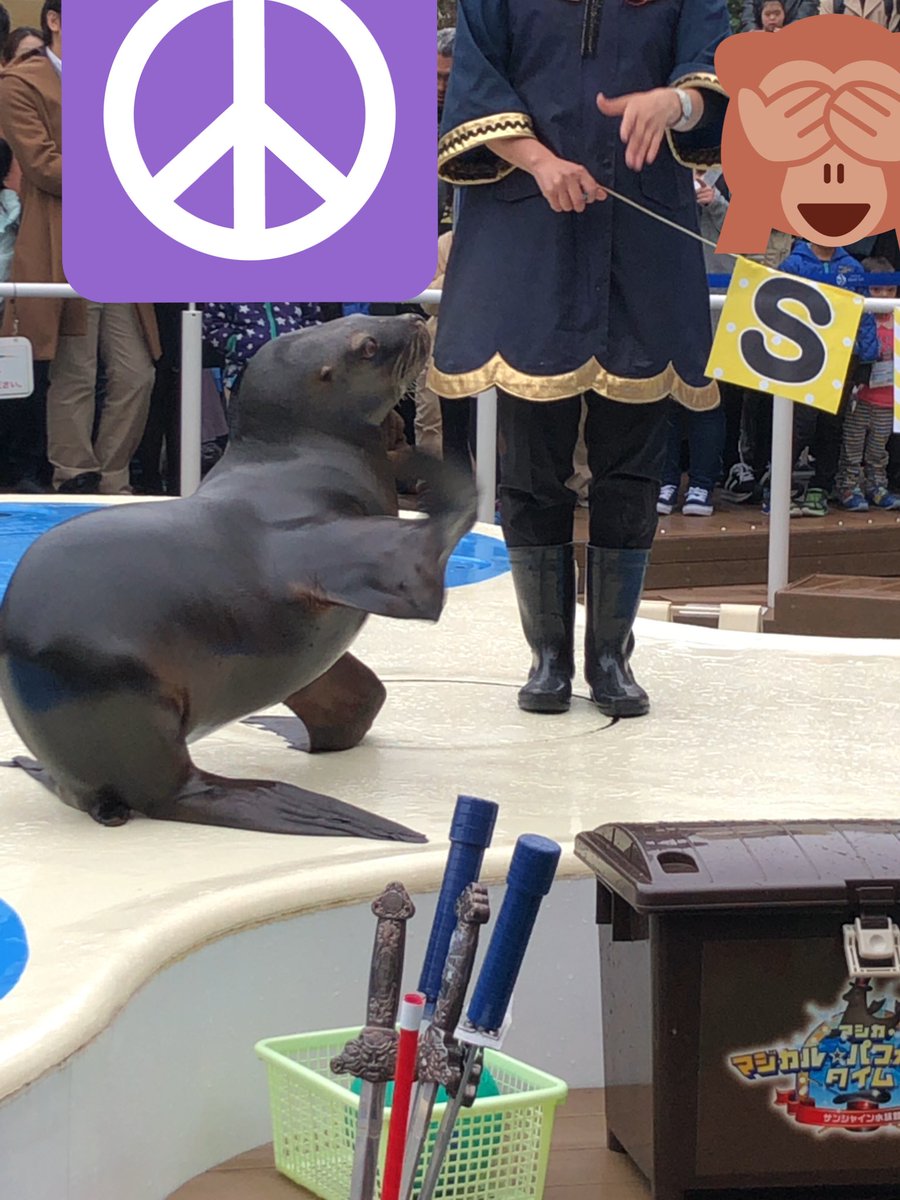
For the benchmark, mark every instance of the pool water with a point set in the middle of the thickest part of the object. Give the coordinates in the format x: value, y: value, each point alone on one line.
x: 476, y: 558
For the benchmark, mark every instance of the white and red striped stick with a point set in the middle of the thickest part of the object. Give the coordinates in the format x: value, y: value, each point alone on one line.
x: 411, y: 1011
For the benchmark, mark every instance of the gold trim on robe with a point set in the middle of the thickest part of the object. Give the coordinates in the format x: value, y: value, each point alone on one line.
x: 457, y: 143
x: 711, y: 157
x: 589, y: 377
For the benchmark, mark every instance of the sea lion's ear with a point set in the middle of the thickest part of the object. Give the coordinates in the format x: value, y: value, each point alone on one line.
x: 364, y: 344
x: 325, y: 374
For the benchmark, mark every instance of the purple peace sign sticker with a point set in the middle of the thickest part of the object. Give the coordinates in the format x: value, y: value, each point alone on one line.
x: 250, y: 150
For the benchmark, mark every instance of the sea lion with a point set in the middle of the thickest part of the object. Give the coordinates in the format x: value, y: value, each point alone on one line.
x: 127, y: 633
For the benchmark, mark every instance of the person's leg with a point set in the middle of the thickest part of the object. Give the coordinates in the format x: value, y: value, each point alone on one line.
x: 537, y: 443
x: 455, y: 432
x: 130, y: 376
x: 627, y: 446
x: 826, y: 448
x: 853, y: 439
x: 732, y: 408
x: 580, y: 481
x: 706, y: 436
x: 880, y: 425
x: 674, y: 445
x: 428, y: 417
x: 71, y: 402
x: 23, y: 438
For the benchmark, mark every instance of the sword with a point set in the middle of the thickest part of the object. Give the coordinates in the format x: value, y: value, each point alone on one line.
x: 487, y: 1020
x: 440, y: 1059
x: 372, y: 1055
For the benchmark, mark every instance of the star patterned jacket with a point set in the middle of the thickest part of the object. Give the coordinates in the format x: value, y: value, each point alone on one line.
x: 239, y: 330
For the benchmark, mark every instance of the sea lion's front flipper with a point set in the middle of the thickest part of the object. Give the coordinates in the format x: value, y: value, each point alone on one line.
x: 379, y: 565
x: 267, y: 806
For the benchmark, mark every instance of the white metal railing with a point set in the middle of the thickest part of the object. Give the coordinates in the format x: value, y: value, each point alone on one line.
x: 191, y: 423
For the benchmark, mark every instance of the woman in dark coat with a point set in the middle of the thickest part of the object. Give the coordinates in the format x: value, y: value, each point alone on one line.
x: 555, y: 290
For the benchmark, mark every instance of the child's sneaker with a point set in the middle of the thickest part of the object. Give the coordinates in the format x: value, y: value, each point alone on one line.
x: 854, y: 501
x: 697, y: 503
x: 814, y: 503
x: 767, y: 507
x: 880, y: 497
x: 668, y: 495
x: 740, y: 483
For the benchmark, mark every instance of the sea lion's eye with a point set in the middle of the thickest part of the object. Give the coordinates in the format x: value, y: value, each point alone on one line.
x: 325, y: 374
x: 369, y: 348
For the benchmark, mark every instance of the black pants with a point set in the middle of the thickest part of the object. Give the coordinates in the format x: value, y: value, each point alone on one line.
x: 164, y: 418
x: 23, y: 435
x: 626, y: 446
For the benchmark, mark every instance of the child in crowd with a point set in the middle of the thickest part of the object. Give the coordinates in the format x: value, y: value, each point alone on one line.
x: 832, y: 265
x: 870, y: 418
x: 10, y: 214
x: 238, y: 331
x: 771, y: 18
x: 705, y: 431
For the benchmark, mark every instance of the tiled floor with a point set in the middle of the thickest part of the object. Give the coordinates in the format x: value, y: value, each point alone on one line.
x: 581, y: 1168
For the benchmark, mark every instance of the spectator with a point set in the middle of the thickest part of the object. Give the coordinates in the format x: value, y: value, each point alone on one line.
x: 429, y: 426
x: 31, y: 118
x: 10, y: 214
x: 772, y: 16
x: 870, y: 418
x: 238, y: 331
x: 833, y: 265
x: 705, y: 430
x: 20, y: 42
x: 87, y: 453
x: 751, y: 13
x: 882, y: 12
x: 445, y: 44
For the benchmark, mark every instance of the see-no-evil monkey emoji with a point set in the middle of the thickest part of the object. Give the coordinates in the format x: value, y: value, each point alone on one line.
x: 811, y: 143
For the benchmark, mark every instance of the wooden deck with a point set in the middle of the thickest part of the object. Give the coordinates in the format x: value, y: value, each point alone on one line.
x: 581, y: 1168
x: 725, y: 557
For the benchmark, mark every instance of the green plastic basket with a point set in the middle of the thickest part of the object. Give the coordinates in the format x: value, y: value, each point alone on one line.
x: 500, y: 1147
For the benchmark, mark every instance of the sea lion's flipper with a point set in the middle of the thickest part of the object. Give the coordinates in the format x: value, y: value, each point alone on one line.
x: 333, y: 713
x: 267, y: 806
x: 340, y: 707
x: 379, y: 565
x: 105, y: 809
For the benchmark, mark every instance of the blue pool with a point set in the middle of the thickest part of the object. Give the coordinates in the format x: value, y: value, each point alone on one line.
x: 477, y: 558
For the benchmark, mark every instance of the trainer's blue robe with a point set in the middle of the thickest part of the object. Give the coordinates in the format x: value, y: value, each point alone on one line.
x: 547, y: 305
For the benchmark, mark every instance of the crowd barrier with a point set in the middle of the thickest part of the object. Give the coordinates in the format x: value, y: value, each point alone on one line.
x: 191, y: 389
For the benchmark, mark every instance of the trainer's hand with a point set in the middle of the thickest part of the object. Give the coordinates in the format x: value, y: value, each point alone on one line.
x: 645, y: 118
x: 566, y: 186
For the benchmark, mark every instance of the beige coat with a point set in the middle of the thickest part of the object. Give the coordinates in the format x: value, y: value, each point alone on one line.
x: 872, y: 10
x: 31, y: 121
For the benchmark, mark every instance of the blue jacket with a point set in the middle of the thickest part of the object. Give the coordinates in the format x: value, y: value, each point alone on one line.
x: 842, y: 271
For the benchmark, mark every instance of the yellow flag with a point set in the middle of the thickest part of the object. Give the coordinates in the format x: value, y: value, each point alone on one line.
x: 789, y: 336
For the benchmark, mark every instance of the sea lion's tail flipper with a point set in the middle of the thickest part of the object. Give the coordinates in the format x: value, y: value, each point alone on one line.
x: 267, y: 806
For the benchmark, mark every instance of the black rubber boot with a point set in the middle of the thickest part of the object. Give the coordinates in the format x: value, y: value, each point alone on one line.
x: 615, y: 581
x: 545, y: 589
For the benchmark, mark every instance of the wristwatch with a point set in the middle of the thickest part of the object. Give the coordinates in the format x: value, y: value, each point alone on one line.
x: 687, y: 110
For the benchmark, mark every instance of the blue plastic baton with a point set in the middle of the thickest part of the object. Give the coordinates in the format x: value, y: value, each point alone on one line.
x: 470, y: 834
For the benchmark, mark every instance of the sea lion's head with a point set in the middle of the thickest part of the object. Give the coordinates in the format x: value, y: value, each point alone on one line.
x: 331, y: 376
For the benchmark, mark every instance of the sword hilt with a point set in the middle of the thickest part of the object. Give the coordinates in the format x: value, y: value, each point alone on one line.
x: 439, y: 1059
x: 372, y: 1055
